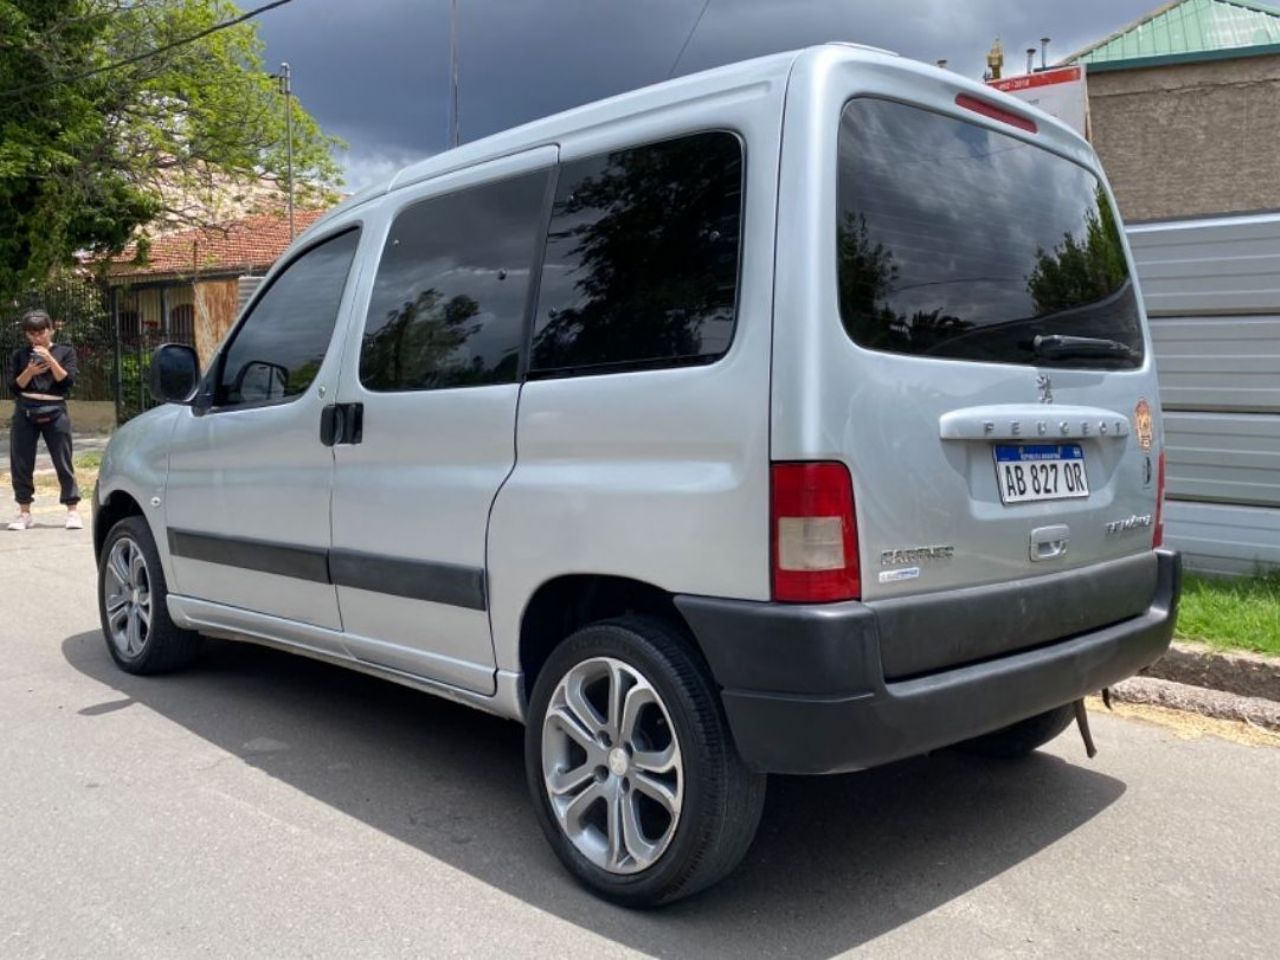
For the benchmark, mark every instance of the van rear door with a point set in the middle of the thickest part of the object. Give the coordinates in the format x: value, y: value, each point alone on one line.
x: 969, y: 340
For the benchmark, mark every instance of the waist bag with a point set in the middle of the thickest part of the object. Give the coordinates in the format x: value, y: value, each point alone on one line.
x: 42, y: 413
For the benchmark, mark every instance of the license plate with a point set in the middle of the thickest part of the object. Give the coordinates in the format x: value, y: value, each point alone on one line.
x: 1040, y: 471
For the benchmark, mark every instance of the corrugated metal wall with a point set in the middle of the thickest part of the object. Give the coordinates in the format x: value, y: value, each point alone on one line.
x: 1212, y: 290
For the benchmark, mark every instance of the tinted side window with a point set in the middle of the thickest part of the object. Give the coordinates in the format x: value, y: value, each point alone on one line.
x: 449, y: 299
x: 278, y: 349
x: 642, y: 258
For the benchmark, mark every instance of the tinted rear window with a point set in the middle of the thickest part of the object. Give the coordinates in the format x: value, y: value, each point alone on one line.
x: 955, y: 241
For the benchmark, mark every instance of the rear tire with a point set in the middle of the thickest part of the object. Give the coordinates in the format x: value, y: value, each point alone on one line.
x: 133, y: 604
x: 633, y: 773
x: 1021, y: 738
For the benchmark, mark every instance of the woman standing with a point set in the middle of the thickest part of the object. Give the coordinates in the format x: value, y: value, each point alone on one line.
x: 41, y: 375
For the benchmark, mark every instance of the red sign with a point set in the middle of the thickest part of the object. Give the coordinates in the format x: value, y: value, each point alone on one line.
x: 1044, y: 78
x: 1060, y: 92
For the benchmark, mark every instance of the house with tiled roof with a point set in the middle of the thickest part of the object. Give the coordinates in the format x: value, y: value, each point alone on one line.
x: 1185, y: 109
x: 187, y: 286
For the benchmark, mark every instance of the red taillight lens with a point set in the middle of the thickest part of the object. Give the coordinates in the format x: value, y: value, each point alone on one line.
x: 989, y: 109
x: 1157, y: 539
x: 814, y: 534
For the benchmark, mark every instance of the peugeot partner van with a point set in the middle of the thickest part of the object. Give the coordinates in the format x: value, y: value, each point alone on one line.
x: 793, y: 417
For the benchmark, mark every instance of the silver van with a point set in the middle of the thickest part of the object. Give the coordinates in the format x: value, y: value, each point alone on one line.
x: 793, y: 417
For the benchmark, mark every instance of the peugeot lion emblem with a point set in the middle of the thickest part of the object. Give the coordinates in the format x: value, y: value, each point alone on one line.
x: 1045, y: 386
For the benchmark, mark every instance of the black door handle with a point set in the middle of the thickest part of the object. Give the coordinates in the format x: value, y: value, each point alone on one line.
x: 342, y: 423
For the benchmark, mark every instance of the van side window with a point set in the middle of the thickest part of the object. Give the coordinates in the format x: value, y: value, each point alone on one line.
x: 279, y: 347
x: 641, y: 266
x: 448, y: 302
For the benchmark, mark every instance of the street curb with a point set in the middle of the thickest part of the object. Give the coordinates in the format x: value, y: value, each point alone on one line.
x: 1243, y: 674
x: 1255, y: 711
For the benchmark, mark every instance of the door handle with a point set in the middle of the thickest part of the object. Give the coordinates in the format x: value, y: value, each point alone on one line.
x: 342, y: 423
x: 1049, y: 543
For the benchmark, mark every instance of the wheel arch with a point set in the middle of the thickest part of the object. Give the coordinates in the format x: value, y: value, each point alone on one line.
x: 117, y: 505
x: 566, y: 603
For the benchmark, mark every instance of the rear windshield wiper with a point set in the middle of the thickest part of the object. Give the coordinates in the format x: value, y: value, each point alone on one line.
x: 1058, y: 347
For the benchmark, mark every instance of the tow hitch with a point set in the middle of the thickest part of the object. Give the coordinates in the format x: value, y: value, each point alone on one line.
x: 1082, y: 721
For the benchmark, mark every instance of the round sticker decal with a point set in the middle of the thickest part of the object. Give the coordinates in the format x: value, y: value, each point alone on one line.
x: 1142, y: 424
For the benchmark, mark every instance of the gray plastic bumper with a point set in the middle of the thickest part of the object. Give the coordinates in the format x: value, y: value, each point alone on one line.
x: 805, y: 691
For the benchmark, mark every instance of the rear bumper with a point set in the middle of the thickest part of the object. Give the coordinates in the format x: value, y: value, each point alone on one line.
x: 804, y: 687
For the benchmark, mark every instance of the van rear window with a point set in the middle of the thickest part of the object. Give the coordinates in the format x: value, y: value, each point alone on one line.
x: 955, y: 241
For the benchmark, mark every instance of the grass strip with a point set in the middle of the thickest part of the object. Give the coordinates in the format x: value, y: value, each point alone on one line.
x: 1233, y: 614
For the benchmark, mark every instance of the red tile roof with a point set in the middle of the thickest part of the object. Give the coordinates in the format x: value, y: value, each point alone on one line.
x: 239, y: 246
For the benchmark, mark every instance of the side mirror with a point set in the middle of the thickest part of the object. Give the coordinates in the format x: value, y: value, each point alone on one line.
x: 175, y: 373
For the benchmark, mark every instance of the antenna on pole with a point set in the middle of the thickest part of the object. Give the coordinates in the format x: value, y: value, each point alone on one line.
x: 286, y: 87
x: 453, y: 72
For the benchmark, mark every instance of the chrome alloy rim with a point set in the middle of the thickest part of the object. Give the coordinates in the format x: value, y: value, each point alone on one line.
x: 127, y: 597
x: 611, y: 765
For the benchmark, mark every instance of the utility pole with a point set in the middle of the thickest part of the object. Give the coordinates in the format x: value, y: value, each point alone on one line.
x: 286, y: 87
x: 453, y: 72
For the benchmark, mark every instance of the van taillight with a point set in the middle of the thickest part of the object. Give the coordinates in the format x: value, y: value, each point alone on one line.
x: 989, y: 109
x: 814, y: 534
x: 1158, y: 538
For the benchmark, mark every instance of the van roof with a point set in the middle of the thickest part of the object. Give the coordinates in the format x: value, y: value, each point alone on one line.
x: 550, y: 129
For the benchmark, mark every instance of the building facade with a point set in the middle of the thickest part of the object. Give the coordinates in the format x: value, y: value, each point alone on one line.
x: 189, y: 286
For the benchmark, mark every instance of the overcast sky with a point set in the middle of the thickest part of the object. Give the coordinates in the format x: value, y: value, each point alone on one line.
x: 376, y: 73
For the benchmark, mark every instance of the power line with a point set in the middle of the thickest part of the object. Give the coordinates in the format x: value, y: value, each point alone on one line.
x: 149, y: 53
x: 675, y: 63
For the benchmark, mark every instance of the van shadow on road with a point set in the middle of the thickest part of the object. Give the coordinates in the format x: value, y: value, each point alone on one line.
x: 838, y: 860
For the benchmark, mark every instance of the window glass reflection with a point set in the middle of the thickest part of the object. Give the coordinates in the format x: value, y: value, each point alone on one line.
x: 278, y: 350
x: 449, y: 299
x: 957, y: 241
x: 642, y: 257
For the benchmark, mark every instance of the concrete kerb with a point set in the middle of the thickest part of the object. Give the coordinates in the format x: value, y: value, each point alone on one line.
x: 1228, y: 686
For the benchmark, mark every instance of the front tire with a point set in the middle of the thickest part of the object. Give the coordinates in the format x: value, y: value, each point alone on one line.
x: 634, y: 776
x: 132, y: 604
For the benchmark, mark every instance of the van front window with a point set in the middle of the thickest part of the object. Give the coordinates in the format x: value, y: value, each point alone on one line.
x: 955, y: 241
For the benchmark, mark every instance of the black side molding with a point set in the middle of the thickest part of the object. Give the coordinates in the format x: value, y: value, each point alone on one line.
x: 456, y: 586
x: 301, y: 563
x: 416, y: 579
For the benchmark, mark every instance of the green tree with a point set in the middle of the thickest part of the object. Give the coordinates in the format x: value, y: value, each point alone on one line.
x: 653, y: 238
x: 87, y: 160
x: 419, y: 345
x: 1081, y: 269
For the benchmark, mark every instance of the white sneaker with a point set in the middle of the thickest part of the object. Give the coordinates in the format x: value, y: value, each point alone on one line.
x: 22, y: 522
x: 73, y: 521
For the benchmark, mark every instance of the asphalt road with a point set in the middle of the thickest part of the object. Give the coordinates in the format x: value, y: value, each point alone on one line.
x: 263, y: 805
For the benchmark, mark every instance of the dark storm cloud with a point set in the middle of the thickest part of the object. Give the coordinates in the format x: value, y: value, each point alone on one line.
x: 376, y: 73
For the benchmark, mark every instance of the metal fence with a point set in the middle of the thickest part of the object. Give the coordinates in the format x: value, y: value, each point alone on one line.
x: 114, y: 334
x: 79, y: 309
x: 1212, y: 291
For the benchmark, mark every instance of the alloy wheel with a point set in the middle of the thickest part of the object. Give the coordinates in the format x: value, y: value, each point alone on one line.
x: 612, y: 766
x: 127, y: 597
